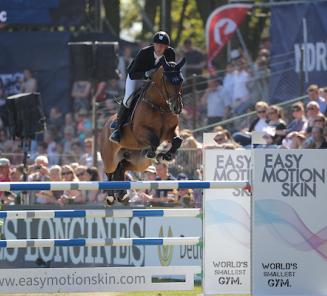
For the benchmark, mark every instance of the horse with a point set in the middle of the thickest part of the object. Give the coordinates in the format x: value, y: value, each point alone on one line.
x: 154, y: 120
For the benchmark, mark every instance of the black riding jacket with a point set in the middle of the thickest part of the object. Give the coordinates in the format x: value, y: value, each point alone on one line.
x: 145, y: 61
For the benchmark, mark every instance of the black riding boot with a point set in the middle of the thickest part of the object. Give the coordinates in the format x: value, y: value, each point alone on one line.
x: 121, y: 119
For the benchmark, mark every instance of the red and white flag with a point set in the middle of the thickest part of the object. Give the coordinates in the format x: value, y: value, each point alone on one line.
x: 221, y: 26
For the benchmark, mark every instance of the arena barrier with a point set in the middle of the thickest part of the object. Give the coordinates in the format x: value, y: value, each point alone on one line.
x: 106, y: 213
x: 81, y: 242
x: 120, y: 185
x: 149, y: 273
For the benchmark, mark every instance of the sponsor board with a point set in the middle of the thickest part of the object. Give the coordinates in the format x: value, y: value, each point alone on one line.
x: 73, y: 256
x: 173, y: 255
x: 226, y: 223
x: 289, y: 230
x: 97, y: 279
x: 101, y: 256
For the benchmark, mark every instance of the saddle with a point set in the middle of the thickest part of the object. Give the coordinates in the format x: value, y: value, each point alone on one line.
x: 137, y: 96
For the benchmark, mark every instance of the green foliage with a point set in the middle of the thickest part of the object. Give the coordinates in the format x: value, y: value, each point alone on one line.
x: 130, y: 13
x: 193, y: 26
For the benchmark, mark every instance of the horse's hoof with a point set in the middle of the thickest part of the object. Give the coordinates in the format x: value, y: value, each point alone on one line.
x: 150, y: 154
x: 168, y: 157
x: 124, y: 199
x: 110, y: 200
x: 160, y: 158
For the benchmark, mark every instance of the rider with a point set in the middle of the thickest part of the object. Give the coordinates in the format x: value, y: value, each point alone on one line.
x: 141, y: 68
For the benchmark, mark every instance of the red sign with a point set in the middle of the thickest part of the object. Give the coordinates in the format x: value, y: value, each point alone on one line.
x: 221, y: 25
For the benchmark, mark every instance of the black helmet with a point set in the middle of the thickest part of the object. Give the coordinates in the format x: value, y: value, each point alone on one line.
x: 161, y: 37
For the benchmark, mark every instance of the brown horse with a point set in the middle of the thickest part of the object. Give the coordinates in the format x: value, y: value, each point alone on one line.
x: 155, y: 120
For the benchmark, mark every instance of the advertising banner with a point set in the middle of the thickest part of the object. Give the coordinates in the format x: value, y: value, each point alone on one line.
x: 290, y: 222
x: 46, y: 54
x: 221, y: 26
x: 173, y: 255
x: 46, y: 12
x: 73, y: 256
x: 298, y: 41
x: 226, y: 224
x: 98, y: 279
x: 101, y: 256
x: 81, y: 269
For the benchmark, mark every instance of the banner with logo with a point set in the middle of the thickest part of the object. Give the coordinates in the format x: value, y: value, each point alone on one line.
x: 101, y: 256
x: 173, y: 255
x: 226, y: 224
x: 290, y: 222
x: 73, y: 256
x: 221, y: 26
x: 295, y: 27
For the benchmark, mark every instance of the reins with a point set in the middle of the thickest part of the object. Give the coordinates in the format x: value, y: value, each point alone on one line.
x: 167, y: 98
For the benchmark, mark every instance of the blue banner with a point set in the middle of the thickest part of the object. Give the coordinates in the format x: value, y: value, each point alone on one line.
x: 46, y: 54
x: 28, y: 4
x: 28, y: 16
x: 47, y: 12
x: 298, y: 38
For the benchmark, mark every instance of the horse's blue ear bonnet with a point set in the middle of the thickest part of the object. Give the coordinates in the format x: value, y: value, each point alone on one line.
x: 172, y: 71
x: 174, y: 76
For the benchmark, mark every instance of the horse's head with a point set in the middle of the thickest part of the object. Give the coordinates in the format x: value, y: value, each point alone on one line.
x: 172, y: 81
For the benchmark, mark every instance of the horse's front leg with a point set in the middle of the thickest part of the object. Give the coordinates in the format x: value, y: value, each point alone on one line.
x: 110, y: 198
x: 119, y: 175
x: 170, y: 154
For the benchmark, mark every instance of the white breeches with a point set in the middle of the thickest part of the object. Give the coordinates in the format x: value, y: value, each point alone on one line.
x: 129, y: 88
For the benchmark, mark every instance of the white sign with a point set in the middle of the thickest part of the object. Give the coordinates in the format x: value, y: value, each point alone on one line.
x: 290, y: 222
x: 227, y: 224
x: 97, y: 279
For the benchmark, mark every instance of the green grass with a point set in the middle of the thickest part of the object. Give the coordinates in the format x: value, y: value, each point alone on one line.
x: 197, y: 291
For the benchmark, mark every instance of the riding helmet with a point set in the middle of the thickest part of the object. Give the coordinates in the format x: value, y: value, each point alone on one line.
x: 161, y: 37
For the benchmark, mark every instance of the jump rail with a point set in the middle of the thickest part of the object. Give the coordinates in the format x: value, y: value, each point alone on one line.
x: 121, y: 185
x: 112, y: 213
x: 94, y: 242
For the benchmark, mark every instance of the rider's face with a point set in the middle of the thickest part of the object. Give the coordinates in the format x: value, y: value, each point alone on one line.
x: 160, y: 48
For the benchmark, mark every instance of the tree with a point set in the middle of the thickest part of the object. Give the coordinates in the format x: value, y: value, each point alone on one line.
x: 187, y: 19
x: 112, y: 9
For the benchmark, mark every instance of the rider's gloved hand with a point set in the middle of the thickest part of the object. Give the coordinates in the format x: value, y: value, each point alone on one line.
x: 149, y: 74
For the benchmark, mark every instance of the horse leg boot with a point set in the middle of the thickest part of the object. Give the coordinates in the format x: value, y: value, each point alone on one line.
x: 175, y: 144
x: 122, y: 116
x: 119, y: 174
x: 110, y: 197
x: 154, y: 143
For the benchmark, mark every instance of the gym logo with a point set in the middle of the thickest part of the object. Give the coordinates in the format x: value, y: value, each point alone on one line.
x: 161, y: 36
x: 165, y: 252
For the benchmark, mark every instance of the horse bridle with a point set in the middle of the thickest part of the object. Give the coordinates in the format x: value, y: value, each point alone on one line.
x: 168, y: 98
